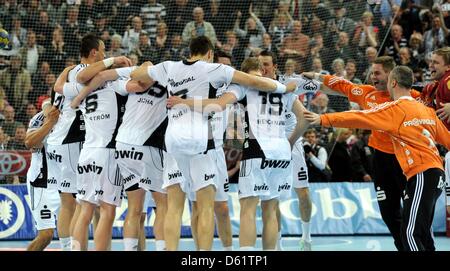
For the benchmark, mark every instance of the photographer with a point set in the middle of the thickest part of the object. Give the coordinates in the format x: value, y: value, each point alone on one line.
x: 316, y: 158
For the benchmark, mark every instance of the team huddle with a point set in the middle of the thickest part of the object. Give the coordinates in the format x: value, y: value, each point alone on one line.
x: 155, y: 134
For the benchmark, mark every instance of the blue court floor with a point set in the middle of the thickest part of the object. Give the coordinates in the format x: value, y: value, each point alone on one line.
x: 320, y: 243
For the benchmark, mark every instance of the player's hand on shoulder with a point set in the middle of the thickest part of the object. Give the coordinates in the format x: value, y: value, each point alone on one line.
x: 312, y: 117
x: 173, y: 100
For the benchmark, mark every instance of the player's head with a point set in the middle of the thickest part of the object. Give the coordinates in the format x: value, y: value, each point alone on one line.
x: 222, y: 58
x: 92, y: 47
x: 202, y: 47
x: 401, y: 78
x: 252, y: 65
x: 381, y: 67
x: 269, y: 63
x: 440, y: 62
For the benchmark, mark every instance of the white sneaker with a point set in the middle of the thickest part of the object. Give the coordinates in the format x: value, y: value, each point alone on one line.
x: 305, y: 245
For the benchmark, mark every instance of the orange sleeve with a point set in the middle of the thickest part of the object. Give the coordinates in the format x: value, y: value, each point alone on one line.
x: 379, y: 118
x: 355, y: 93
x: 442, y: 134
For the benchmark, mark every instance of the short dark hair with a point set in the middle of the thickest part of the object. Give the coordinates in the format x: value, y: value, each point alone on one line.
x: 89, y: 42
x: 387, y: 62
x: 271, y: 54
x: 220, y: 53
x: 403, y: 75
x: 200, y: 46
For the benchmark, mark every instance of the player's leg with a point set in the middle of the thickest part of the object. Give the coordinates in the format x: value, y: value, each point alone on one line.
x: 131, y: 226
x: 103, y: 233
x: 172, y: 222
x: 270, y: 224
x: 142, y: 244
x: 158, y: 226
x: 222, y: 213
x: 247, y: 226
x: 66, y: 211
x: 388, y: 194
x: 81, y: 228
x: 194, y: 222
x: 305, y: 207
x: 41, y: 241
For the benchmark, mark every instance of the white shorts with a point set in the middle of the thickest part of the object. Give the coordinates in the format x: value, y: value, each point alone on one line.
x: 99, y: 176
x: 148, y: 202
x: 222, y: 184
x: 142, y: 165
x: 262, y: 178
x: 62, y: 166
x: 192, y: 172
x: 44, y: 204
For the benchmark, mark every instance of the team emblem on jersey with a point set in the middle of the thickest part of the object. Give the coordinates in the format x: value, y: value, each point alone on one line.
x: 357, y: 91
x: 12, y: 213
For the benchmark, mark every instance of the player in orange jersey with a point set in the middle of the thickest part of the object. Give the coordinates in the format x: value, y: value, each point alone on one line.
x: 414, y: 130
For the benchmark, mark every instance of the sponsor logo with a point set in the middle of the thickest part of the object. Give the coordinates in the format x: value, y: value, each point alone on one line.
x: 417, y: 122
x: 381, y: 195
x: 133, y: 155
x: 179, y: 83
x: 175, y: 175
x: 208, y: 177
x: 98, y: 192
x: 45, y: 213
x: 65, y: 184
x: 262, y: 187
x: 285, y: 186
x: 129, y: 178
x: 311, y: 86
x: 357, y: 91
x: 89, y: 168
x: 54, y: 156
x: 146, y: 181
x: 11, y: 163
x: 274, y: 164
x: 302, y: 175
x: 441, y: 184
x: 52, y: 180
x: 226, y: 187
x: 12, y: 213
x: 82, y: 192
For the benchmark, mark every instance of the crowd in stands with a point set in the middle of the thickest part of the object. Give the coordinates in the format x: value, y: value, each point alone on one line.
x: 340, y: 37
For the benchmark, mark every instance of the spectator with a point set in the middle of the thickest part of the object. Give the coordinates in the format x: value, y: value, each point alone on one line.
x: 124, y: 13
x: 290, y: 67
x: 362, y: 157
x: 57, y: 54
x: 145, y: 51
x: 31, y: 53
x: 319, y: 104
x: 160, y: 43
x: 280, y: 27
x: 415, y: 44
x: 316, y: 44
x: 10, y: 124
x: 231, y: 43
x: 340, y: 160
x: 268, y: 45
x: 176, y: 49
x: 199, y: 27
x: 73, y: 32
x: 315, y: 9
x: 18, y: 34
x: 316, y: 158
x: 406, y: 59
x: 16, y: 81
x: 179, y: 13
x: 152, y: 13
x: 39, y: 95
x: 317, y: 66
x: 264, y: 10
x: 43, y: 30
x: 338, y: 67
x: 26, y: 116
x: 365, y: 33
x: 215, y: 19
x: 38, y: 79
x: 340, y: 23
x: 350, y: 72
x: 102, y: 30
x: 435, y: 37
x: 130, y: 39
x: 56, y: 11
x: 134, y: 59
x: 296, y: 44
x: 395, y: 42
x: 115, y: 48
x: 371, y: 54
x: 253, y: 31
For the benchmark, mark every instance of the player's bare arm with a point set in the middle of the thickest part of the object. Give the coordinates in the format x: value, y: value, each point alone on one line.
x: 141, y: 74
x: 62, y: 79
x: 302, y: 124
x: 34, y: 138
x: 262, y: 83
x: 312, y: 117
x: 92, y: 70
x: 205, y: 105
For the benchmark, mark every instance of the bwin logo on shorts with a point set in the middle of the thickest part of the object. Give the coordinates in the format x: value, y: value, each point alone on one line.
x: 82, y: 192
x: 133, y: 155
x: 98, y: 192
x: 65, y: 184
x: 146, y: 181
x: 209, y: 177
x: 90, y: 168
x: 262, y: 187
x: 51, y: 181
x: 129, y: 178
x: 54, y: 156
x: 274, y: 164
x: 285, y: 186
x: 175, y: 175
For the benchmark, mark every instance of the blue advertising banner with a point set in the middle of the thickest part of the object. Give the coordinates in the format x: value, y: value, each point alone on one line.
x: 338, y: 208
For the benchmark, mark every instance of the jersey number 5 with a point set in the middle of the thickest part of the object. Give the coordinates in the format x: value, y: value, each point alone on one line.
x: 91, y: 103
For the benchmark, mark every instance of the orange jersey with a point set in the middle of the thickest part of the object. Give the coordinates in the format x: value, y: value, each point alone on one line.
x: 367, y: 97
x: 413, y: 127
